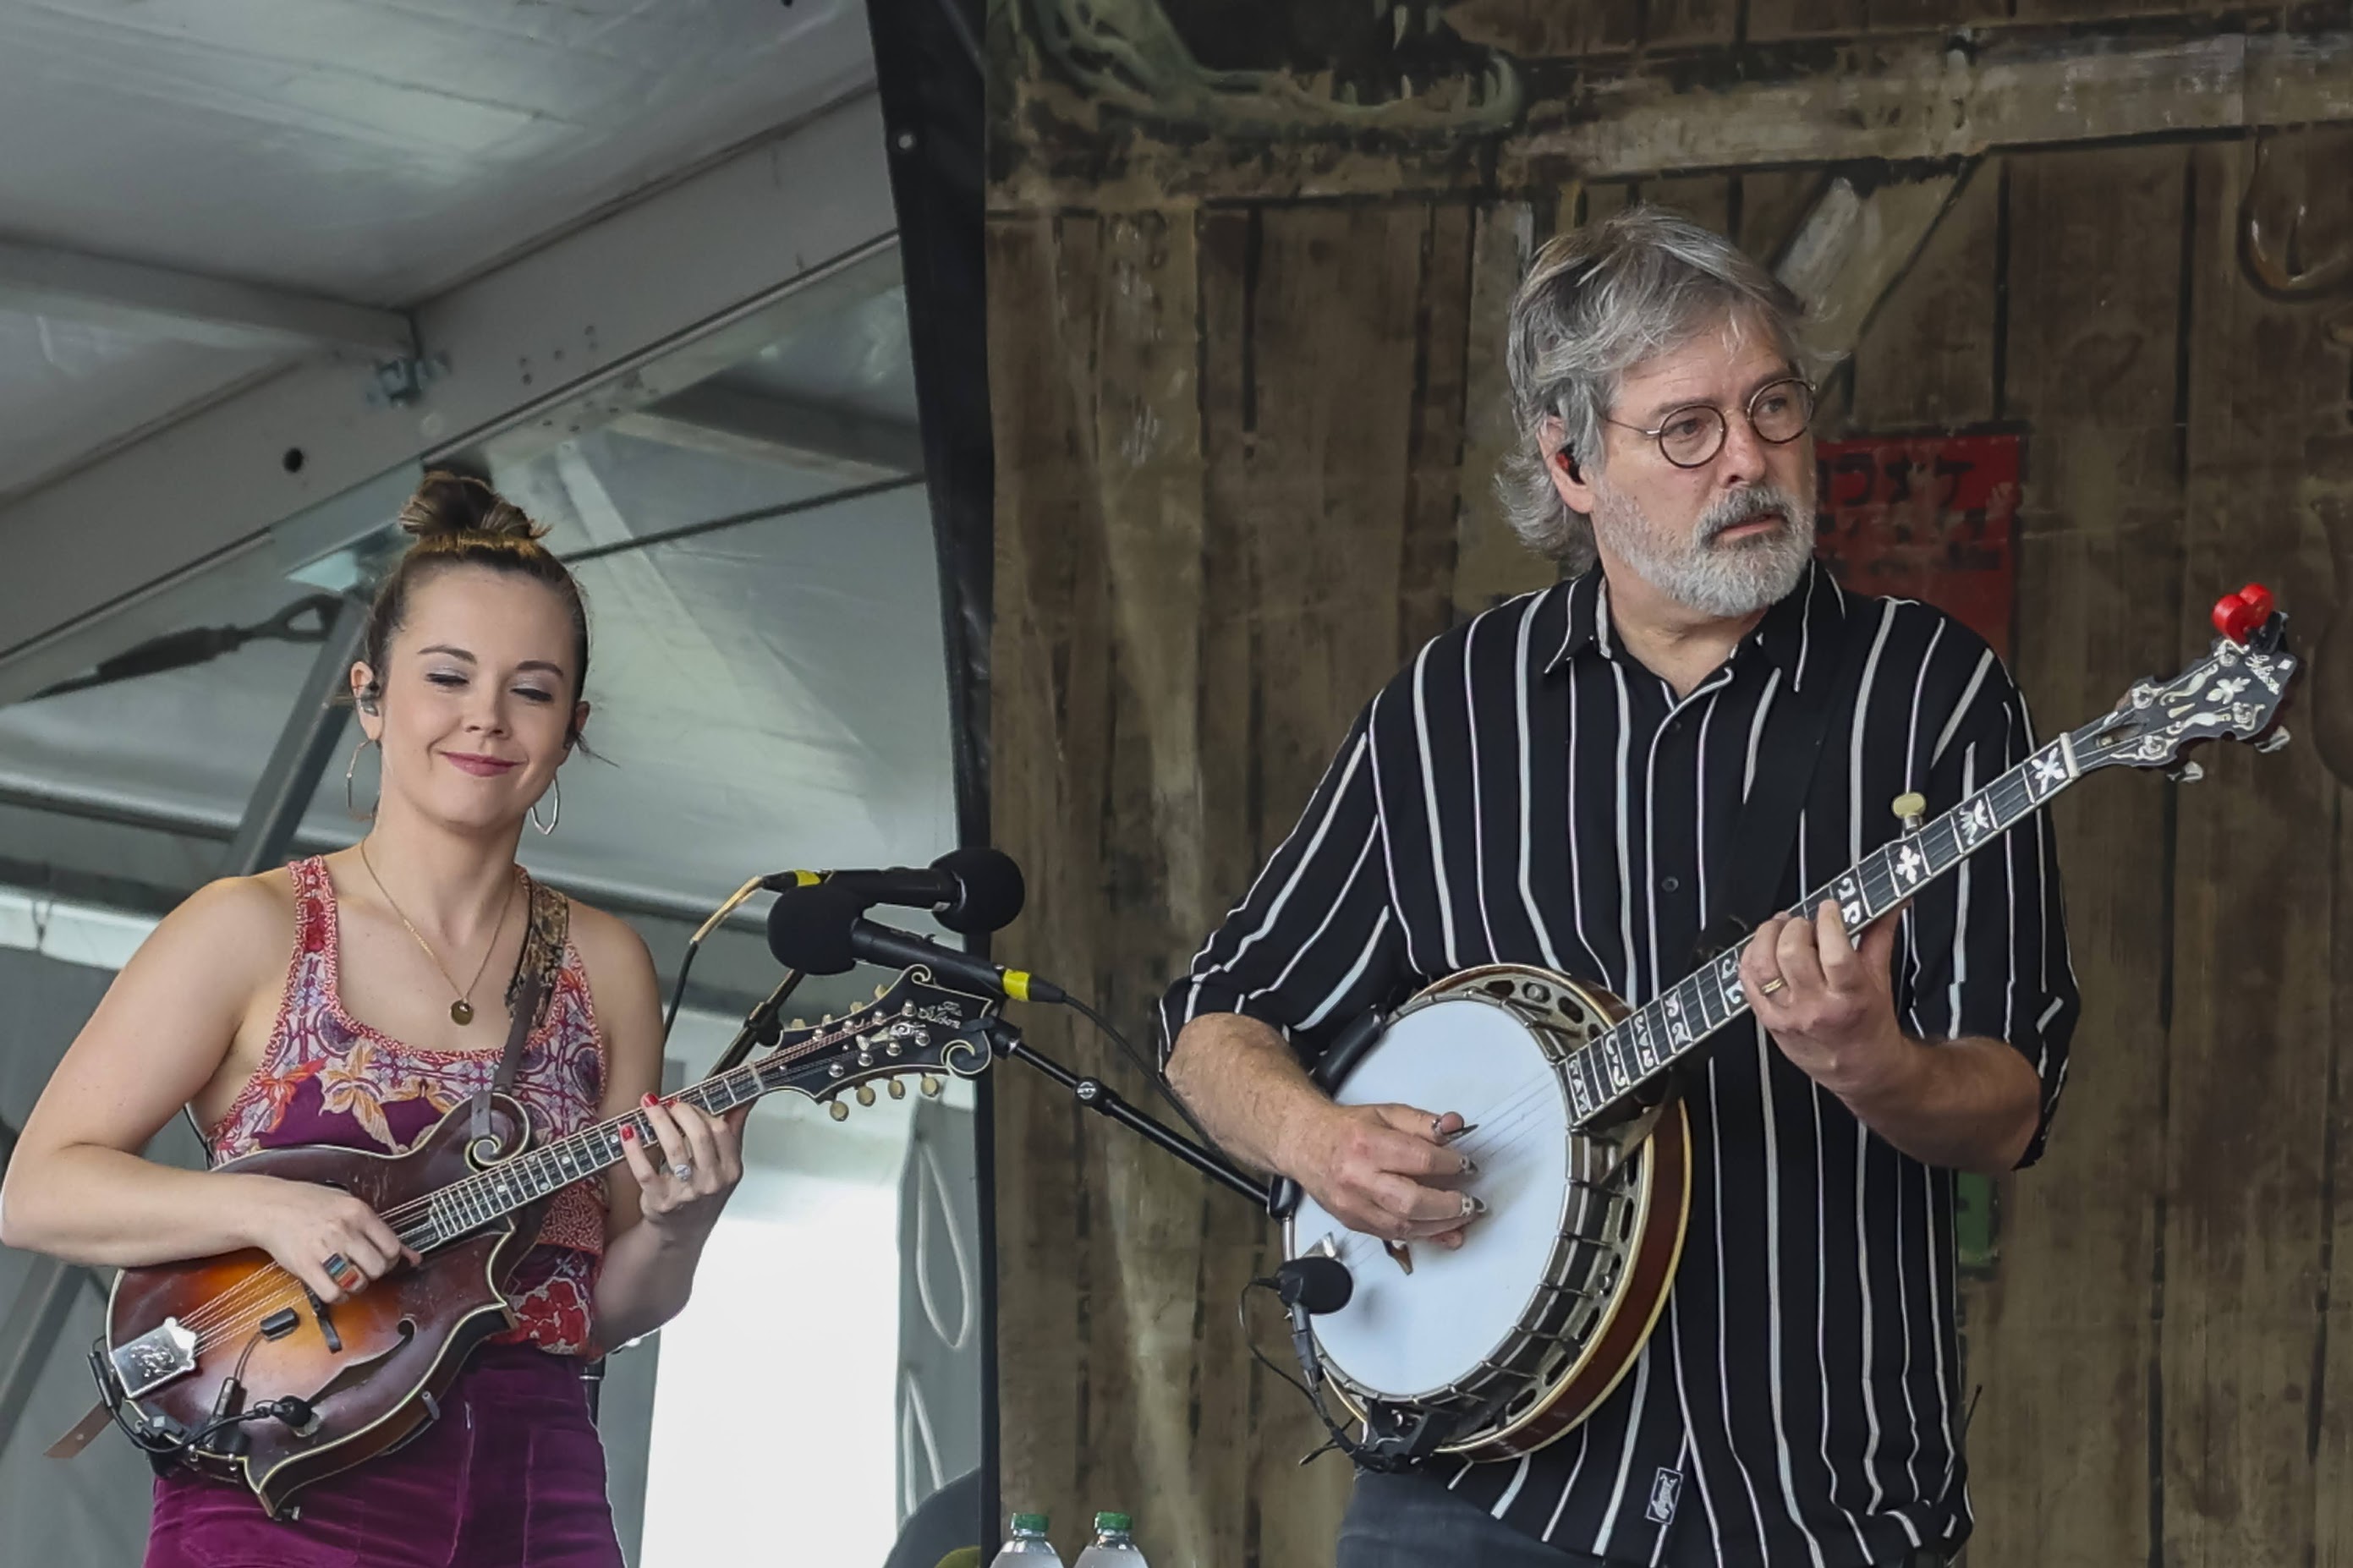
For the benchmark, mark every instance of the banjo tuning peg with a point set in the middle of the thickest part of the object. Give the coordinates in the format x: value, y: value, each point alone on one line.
x: 2277, y: 741
x: 2188, y: 773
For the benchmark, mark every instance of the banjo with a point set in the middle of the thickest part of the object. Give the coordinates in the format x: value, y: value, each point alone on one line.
x: 1494, y: 1350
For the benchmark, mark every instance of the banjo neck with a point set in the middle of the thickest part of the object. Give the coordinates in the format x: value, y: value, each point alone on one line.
x: 1669, y: 1028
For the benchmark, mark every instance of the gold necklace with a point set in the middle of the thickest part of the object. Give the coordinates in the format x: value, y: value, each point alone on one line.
x: 461, y: 1011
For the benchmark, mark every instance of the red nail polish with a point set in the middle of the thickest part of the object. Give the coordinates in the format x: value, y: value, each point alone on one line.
x: 649, y: 1099
x: 629, y: 1133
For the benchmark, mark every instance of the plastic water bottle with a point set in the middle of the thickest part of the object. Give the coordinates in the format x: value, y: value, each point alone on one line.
x: 1029, y: 1548
x: 1113, y: 1546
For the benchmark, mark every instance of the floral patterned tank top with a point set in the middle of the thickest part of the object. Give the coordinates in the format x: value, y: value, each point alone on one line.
x: 326, y: 1077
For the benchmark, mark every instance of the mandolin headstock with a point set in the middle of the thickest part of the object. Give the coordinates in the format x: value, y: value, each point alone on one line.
x: 915, y: 1027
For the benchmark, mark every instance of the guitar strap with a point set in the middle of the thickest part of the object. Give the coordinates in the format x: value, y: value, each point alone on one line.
x: 534, y: 983
x: 1765, y: 837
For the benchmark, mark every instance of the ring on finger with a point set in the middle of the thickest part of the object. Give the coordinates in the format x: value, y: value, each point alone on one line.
x: 1772, y: 985
x: 684, y: 1170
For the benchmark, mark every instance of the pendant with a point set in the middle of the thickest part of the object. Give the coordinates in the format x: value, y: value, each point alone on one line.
x: 461, y: 1011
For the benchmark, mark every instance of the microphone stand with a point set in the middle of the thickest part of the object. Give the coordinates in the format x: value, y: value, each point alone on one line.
x: 1004, y: 1041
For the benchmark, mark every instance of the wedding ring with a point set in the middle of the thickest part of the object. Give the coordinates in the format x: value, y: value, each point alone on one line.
x: 1770, y: 986
x: 684, y: 1170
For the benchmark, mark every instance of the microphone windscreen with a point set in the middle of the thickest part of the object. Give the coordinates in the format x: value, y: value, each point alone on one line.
x: 808, y: 929
x: 992, y: 890
x: 1318, y: 1283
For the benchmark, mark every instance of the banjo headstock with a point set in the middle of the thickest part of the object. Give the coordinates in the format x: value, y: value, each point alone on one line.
x: 2235, y: 693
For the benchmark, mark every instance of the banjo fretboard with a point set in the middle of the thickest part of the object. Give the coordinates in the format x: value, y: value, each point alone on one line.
x: 1663, y: 1031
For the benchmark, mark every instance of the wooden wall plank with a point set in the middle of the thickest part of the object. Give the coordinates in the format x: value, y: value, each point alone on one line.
x: 1322, y: 503
x: 2245, y: 1233
x: 1771, y: 21
x: 1907, y: 15
x: 1041, y: 281
x: 1706, y: 198
x: 1545, y: 29
x: 2331, y: 1437
x: 1689, y: 23
x: 1926, y: 361
x: 1597, y: 202
x: 2328, y: 491
x: 2062, y: 1339
x: 1436, y: 475
x: 1490, y: 564
x: 2094, y: 10
x: 1773, y: 202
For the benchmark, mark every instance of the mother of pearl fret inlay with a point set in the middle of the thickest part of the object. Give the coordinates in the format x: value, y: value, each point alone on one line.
x: 1622, y: 1058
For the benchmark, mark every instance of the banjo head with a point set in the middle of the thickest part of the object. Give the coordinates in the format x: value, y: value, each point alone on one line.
x: 1493, y: 1331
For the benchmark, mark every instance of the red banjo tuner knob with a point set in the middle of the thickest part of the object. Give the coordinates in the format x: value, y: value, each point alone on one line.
x: 2258, y: 599
x: 2236, y: 618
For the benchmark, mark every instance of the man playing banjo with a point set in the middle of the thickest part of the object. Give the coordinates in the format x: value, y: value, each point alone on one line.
x: 1560, y: 782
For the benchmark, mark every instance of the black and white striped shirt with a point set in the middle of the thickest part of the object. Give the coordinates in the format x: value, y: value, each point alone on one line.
x: 1527, y: 792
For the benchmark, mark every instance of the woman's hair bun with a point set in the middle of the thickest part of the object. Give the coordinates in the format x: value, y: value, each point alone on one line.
x: 449, y: 505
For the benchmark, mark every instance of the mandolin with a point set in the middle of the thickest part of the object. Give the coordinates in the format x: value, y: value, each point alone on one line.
x: 231, y: 1366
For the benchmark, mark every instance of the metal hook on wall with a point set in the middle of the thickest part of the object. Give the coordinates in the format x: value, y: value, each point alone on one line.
x: 2281, y: 274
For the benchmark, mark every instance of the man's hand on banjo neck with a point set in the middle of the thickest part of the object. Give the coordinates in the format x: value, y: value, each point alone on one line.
x: 1383, y: 1170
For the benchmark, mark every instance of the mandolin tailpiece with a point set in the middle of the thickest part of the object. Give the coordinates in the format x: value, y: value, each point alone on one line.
x: 164, y: 1354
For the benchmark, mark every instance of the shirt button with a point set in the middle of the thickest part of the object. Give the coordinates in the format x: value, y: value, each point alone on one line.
x: 1670, y: 884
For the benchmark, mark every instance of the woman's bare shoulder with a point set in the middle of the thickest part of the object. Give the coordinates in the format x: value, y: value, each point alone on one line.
x: 232, y: 921
x: 617, y: 957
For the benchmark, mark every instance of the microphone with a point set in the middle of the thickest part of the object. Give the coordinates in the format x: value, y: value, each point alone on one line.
x: 820, y: 929
x: 969, y: 891
x: 1314, y: 1284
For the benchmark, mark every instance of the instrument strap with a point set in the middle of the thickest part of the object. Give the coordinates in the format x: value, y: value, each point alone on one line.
x: 541, y: 955
x: 1765, y: 839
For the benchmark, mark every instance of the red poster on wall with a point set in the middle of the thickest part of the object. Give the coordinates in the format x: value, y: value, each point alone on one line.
x: 1925, y: 517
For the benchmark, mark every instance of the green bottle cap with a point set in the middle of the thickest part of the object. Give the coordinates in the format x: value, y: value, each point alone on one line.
x: 1034, y: 1523
x: 1118, y: 1521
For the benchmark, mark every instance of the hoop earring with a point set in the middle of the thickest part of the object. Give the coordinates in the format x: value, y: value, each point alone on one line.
x: 351, y: 767
x: 556, y: 812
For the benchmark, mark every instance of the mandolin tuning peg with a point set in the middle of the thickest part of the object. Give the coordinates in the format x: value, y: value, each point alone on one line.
x: 898, y: 1089
x: 838, y: 1111
x: 865, y: 1094
x: 880, y: 992
x: 2188, y: 773
x: 930, y: 1086
x: 2274, y: 742
x: 800, y: 1023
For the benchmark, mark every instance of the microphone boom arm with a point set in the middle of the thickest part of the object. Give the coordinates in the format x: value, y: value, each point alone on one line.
x: 1005, y: 1040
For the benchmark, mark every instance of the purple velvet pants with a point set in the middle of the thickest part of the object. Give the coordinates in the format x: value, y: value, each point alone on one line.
x: 513, y: 1475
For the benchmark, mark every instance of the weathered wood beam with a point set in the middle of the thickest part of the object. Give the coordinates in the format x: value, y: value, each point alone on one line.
x: 1852, y: 248
x: 1932, y: 98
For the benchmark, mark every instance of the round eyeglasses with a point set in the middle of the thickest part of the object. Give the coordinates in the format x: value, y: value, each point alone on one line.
x: 1691, y: 437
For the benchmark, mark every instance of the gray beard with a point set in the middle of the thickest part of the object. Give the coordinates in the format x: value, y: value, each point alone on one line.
x: 1715, y: 579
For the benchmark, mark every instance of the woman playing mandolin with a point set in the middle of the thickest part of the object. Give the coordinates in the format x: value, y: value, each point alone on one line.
x: 393, y: 1012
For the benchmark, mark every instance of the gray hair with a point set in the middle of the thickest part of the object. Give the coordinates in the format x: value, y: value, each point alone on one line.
x: 1597, y: 301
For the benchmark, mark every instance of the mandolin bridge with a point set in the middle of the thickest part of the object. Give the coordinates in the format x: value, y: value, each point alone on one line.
x: 156, y: 1357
